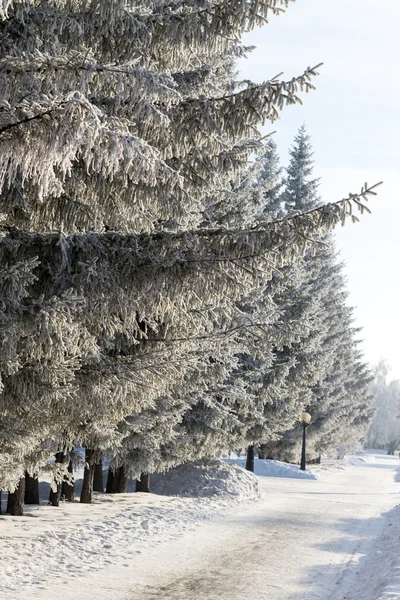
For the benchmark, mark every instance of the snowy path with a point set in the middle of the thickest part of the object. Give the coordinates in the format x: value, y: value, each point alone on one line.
x: 306, y: 540
x: 303, y: 543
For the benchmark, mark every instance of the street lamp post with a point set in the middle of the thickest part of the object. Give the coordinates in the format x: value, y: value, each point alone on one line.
x: 305, y: 419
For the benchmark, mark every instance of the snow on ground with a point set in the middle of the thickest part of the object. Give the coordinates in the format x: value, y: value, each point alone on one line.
x: 306, y: 539
x: 366, y: 456
x: 379, y: 571
x: 50, y: 544
x: 207, y: 478
x: 275, y: 468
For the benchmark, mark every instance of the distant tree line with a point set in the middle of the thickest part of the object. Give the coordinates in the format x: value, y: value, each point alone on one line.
x: 384, y: 430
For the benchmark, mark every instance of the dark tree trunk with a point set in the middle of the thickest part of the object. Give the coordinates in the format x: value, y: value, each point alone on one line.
x: 122, y: 482
x: 315, y: 461
x: 250, y: 459
x: 112, y: 481
x: 143, y: 484
x: 67, y: 490
x: 15, y: 504
x: 31, y: 489
x: 262, y: 453
x: 54, y: 498
x: 98, y: 485
x: 88, y: 476
x: 117, y: 481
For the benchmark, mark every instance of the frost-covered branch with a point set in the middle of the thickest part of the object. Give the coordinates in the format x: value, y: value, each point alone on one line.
x: 210, y: 27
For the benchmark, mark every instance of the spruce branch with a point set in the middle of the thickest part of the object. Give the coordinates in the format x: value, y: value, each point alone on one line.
x: 275, y: 91
x: 278, y: 240
x: 25, y: 120
x: 338, y: 208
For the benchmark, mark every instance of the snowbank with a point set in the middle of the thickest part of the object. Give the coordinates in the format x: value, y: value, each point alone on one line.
x: 207, y: 478
x: 359, y: 458
x: 78, y: 538
x: 275, y: 468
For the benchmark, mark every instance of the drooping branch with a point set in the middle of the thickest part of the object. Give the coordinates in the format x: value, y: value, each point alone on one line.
x: 105, y: 145
x: 276, y: 91
x: 82, y: 258
x: 213, y: 123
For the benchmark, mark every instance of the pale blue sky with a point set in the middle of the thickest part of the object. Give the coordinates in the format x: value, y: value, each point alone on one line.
x: 353, y: 119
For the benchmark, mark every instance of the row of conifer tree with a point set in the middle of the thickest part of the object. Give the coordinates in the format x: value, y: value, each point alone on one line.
x: 259, y: 399
x: 164, y: 295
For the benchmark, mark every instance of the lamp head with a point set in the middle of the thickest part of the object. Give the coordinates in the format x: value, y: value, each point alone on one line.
x: 305, y: 418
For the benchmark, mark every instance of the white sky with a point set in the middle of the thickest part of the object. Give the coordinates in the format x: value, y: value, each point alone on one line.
x: 354, y: 124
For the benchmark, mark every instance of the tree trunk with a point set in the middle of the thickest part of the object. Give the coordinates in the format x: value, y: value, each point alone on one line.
x: 122, y: 482
x: 67, y: 490
x: 98, y: 485
x: 117, y: 481
x: 31, y: 489
x: 315, y: 461
x: 262, y: 453
x: 250, y: 459
x: 54, y: 498
x: 143, y: 484
x: 112, y: 481
x: 88, y: 476
x: 15, y: 504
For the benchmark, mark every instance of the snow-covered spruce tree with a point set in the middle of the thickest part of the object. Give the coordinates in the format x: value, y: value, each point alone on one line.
x: 269, y: 182
x: 231, y: 403
x: 243, y: 408
x: 115, y: 131
x: 342, y: 401
x: 328, y: 377
x: 249, y: 399
x: 228, y: 398
x: 155, y: 439
x: 253, y: 197
x: 384, y: 430
x: 299, y: 300
x: 268, y: 371
x: 300, y: 189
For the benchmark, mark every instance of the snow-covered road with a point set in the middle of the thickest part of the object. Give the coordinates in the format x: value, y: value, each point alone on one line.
x: 308, y: 540
x: 327, y: 539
